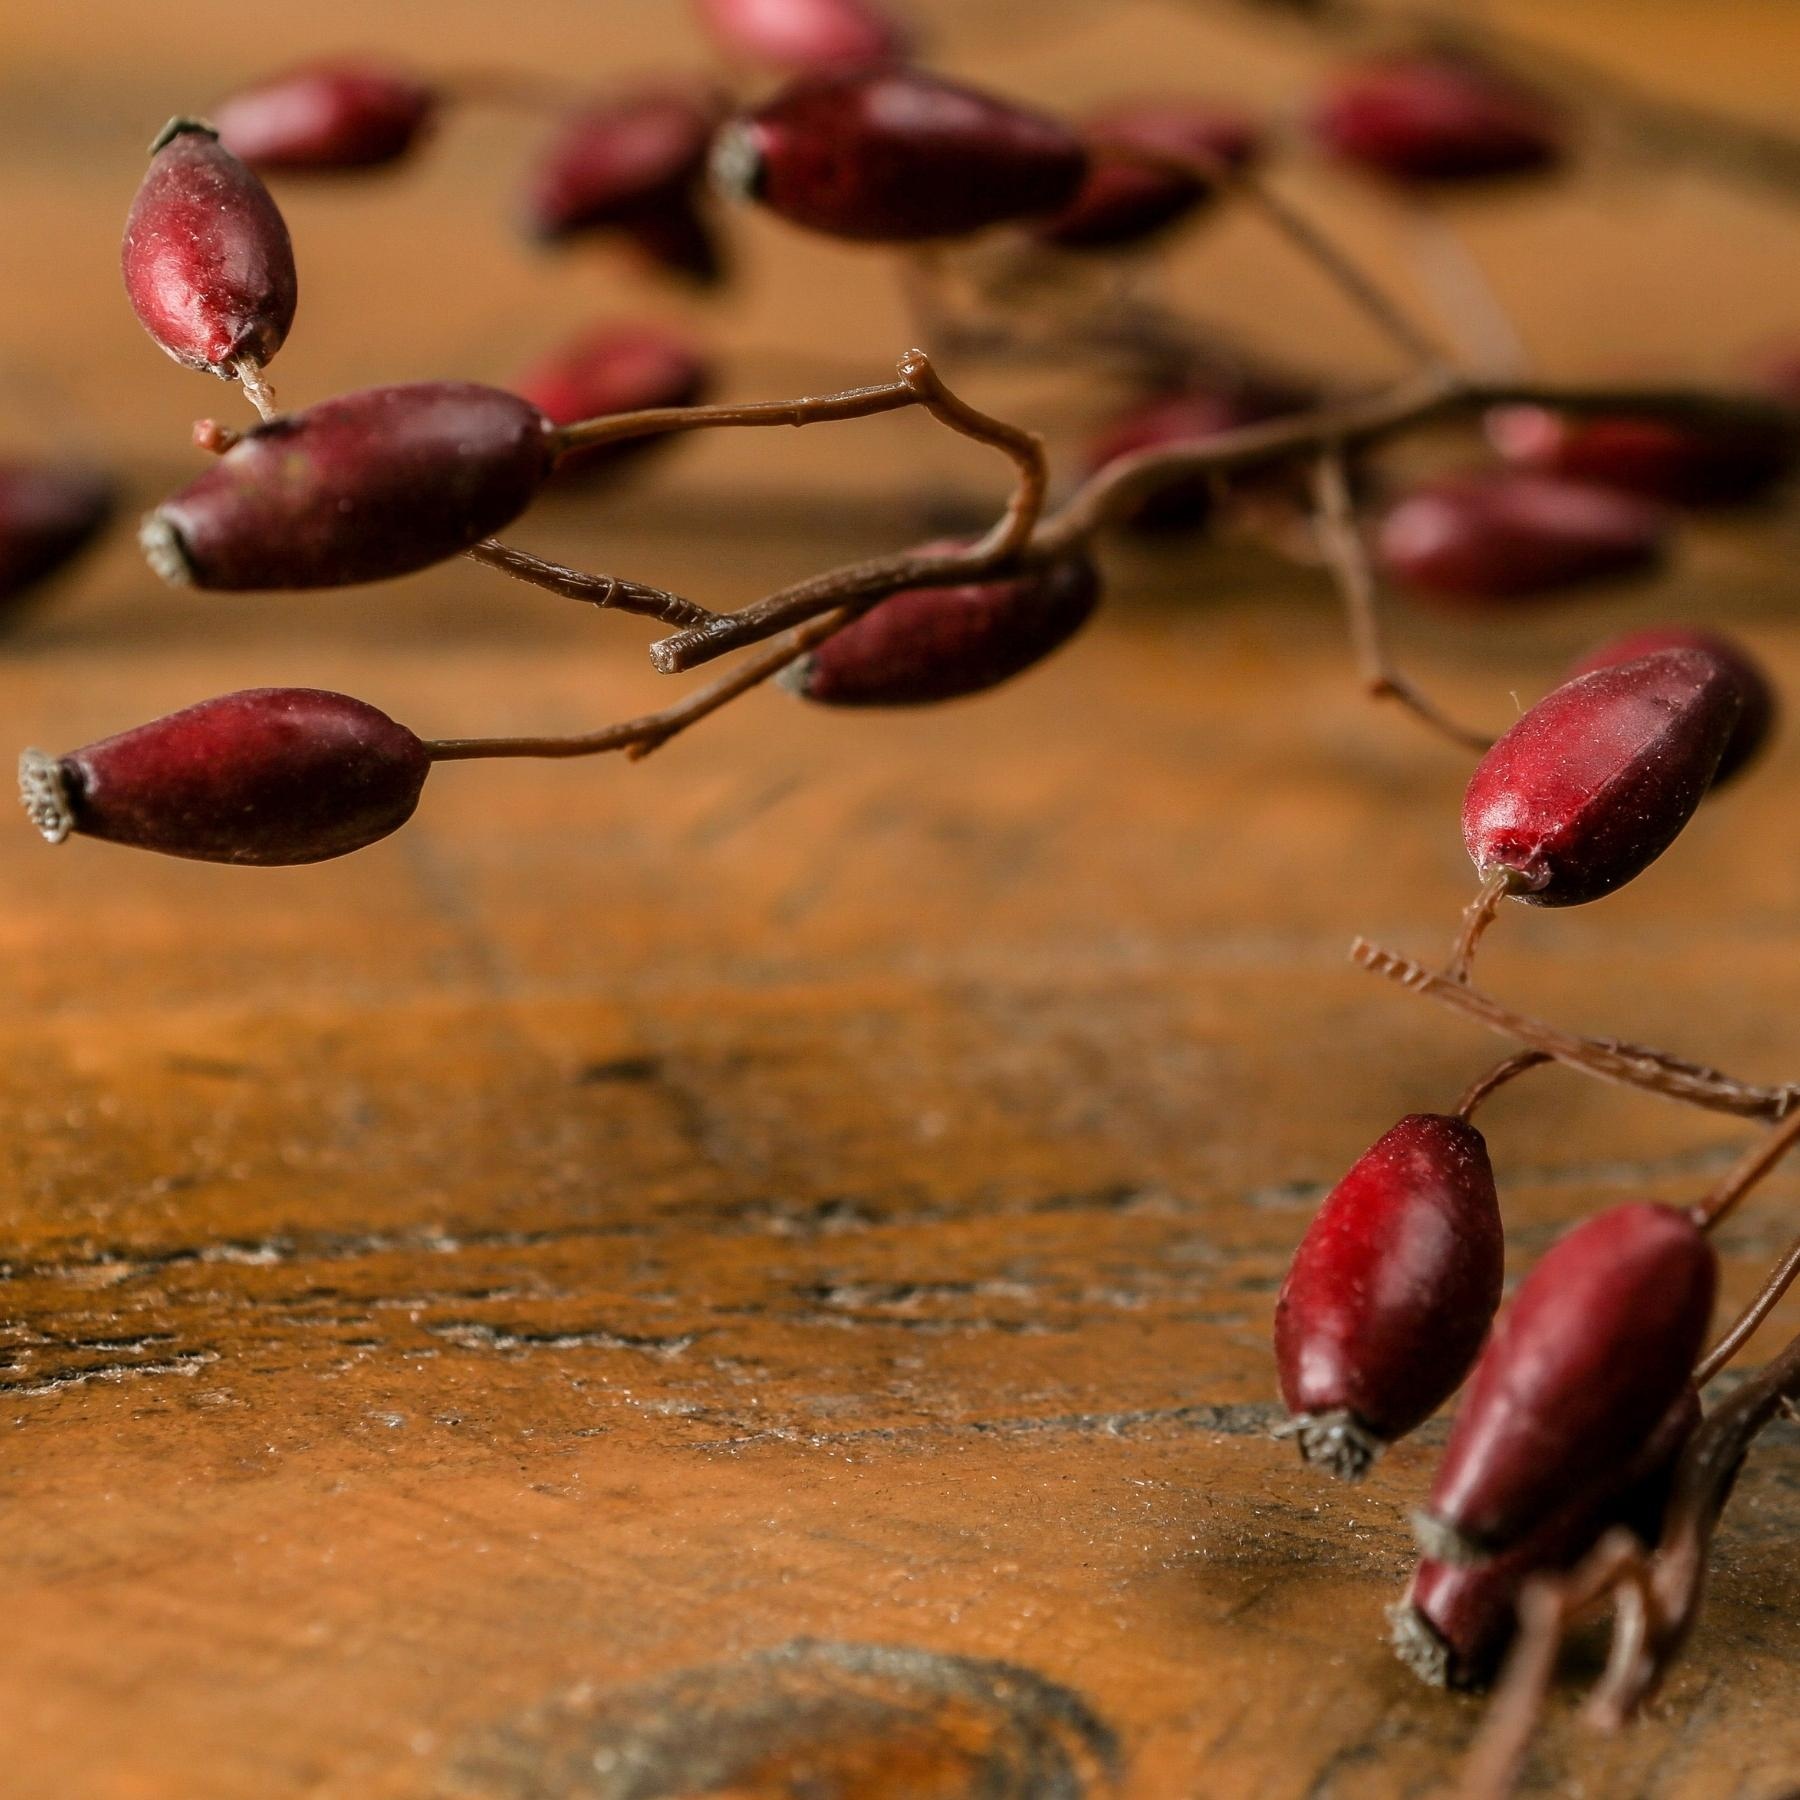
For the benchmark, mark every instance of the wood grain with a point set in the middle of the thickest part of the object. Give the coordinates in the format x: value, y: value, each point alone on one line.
x: 750, y: 1274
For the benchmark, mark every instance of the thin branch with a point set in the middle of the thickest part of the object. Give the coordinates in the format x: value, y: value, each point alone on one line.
x: 1477, y: 917
x: 607, y: 591
x: 1750, y: 1168
x: 256, y: 387
x: 1746, y: 1324
x: 1629, y: 1065
x: 1509, y: 1069
x: 1347, y: 557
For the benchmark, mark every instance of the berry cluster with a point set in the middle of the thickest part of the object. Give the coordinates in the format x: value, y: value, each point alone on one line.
x: 1582, y: 1418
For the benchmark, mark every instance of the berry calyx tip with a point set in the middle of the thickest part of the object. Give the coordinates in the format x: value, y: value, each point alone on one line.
x: 1337, y: 1442
x: 45, y: 795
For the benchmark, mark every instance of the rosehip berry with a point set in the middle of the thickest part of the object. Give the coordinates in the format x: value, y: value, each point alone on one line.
x: 1758, y: 707
x: 270, y: 776
x: 1590, y: 1356
x: 940, y: 643
x: 1498, y: 534
x: 804, y: 36
x: 897, y: 156
x: 359, y: 488
x: 1596, y: 781
x: 1391, y: 1292
x: 1455, y: 1620
x: 635, y: 167
x: 618, y: 368
x: 48, y: 513
x: 1127, y: 198
x: 1431, y: 119
x: 1683, y: 464
x: 207, y: 261
x: 1188, y: 415
x: 328, y: 115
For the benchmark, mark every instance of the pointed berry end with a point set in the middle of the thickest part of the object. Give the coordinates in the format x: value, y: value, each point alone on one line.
x: 1337, y: 1442
x: 737, y: 162
x: 164, y: 551
x: 1443, y: 1542
x: 180, y: 126
x: 796, y: 678
x: 1418, y: 1645
x: 45, y: 795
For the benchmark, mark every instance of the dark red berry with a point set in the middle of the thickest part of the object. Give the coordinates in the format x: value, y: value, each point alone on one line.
x: 633, y: 167
x: 1682, y: 464
x: 804, y: 36
x: 1430, y: 119
x: 1758, y: 707
x: 896, y: 156
x: 269, y: 776
x: 940, y: 643
x: 1455, y: 1620
x: 1596, y: 781
x: 1391, y: 1292
x: 1189, y: 415
x: 1502, y: 534
x: 359, y: 488
x: 1777, y: 371
x: 1589, y: 1357
x: 615, y: 369
x: 342, y: 114
x: 207, y: 261
x: 48, y: 513
x: 1127, y: 197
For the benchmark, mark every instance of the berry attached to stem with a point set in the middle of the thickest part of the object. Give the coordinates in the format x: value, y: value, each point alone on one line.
x: 49, y: 513
x: 327, y: 116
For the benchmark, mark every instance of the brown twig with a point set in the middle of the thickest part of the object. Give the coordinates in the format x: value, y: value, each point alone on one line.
x: 256, y: 387
x: 1477, y: 917
x: 607, y: 591
x: 1508, y: 1069
x: 1745, y: 1325
x: 1738, y: 1180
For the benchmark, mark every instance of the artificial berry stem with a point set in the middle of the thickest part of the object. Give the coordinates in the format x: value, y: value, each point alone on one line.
x: 1738, y: 1180
x: 256, y: 387
x: 1630, y: 1065
x: 1347, y: 557
x: 607, y: 591
x: 1508, y: 1069
x: 1746, y: 1324
x: 1478, y: 915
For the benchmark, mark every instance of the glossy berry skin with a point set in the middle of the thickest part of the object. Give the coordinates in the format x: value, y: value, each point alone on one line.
x: 1505, y: 535
x: 360, y: 488
x: 207, y: 261
x: 1455, y: 1620
x: 271, y: 776
x: 1436, y: 120
x: 1594, y: 1350
x: 1188, y: 415
x: 633, y: 167
x: 940, y: 643
x: 804, y: 37
x: 341, y: 114
x: 1758, y: 707
x: 615, y: 369
x: 1681, y: 464
x: 1391, y: 1291
x: 896, y: 156
x: 1597, y: 779
x: 1126, y: 199
x: 49, y: 512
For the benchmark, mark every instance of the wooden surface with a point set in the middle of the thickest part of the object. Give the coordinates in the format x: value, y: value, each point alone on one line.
x: 751, y: 1274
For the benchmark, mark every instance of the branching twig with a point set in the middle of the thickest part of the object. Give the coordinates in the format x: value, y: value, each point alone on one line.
x: 597, y: 590
x: 1745, y: 1325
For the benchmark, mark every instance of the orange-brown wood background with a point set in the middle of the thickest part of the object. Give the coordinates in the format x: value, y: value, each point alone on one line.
x: 754, y: 1269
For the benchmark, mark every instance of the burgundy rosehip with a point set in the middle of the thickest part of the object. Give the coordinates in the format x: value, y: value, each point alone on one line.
x: 897, y: 156
x: 49, y: 513
x: 1597, y: 780
x: 1594, y: 1350
x: 1683, y: 464
x: 360, y: 488
x: 1391, y: 1292
x: 270, y: 776
x: 805, y: 36
x: 1188, y: 415
x: 1503, y: 534
x: 940, y: 643
x: 1127, y: 198
x: 1436, y: 119
x: 1454, y: 1622
x: 633, y: 167
x: 342, y: 114
x: 207, y: 261
x: 1758, y: 707
x: 615, y: 369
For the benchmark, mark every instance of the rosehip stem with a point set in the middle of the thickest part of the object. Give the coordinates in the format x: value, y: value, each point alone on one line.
x: 1746, y: 1173
x: 1497, y: 1077
x: 1745, y: 1325
x: 256, y: 389
x: 1478, y: 915
x: 1629, y: 1065
x: 597, y: 590
x: 1347, y: 557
